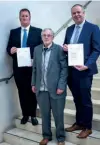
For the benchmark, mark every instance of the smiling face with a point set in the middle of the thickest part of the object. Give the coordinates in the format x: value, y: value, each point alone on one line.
x: 25, y: 18
x: 78, y: 14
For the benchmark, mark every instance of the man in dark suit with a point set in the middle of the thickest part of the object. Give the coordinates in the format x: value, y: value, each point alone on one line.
x: 24, y: 36
x: 49, y: 80
x: 80, y: 77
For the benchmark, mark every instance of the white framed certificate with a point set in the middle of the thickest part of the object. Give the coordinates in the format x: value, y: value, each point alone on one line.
x: 75, y: 54
x: 24, y: 57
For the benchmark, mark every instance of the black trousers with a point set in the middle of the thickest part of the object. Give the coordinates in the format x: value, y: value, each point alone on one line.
x: 80, y: 85
x: 27, y: 98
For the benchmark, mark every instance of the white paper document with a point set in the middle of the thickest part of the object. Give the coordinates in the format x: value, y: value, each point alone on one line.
x: 24, y: 57
x: 75, y: 54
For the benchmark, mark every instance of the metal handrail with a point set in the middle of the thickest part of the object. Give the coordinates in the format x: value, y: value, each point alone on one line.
x: 70, y: 19
x: 6, y: 80
x: 56, y: 33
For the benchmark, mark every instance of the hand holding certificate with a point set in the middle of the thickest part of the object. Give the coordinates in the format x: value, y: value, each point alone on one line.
x: 23, y: 57
x: 75, y: 54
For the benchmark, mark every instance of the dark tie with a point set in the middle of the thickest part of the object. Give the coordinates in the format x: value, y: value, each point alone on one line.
x: 24, y: 40
x: 76, y: 36
x: 45, y: 49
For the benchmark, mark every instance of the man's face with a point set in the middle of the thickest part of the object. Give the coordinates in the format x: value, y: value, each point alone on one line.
x: 77, y: 14
x: 25, y: 18
x: 47, y: 37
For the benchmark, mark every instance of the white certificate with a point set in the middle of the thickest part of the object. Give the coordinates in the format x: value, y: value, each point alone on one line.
x: 75, y: 54
x: 24, y: 57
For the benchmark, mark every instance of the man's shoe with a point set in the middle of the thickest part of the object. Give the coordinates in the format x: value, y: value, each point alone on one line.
x: 84, y: 133
x: 73, y: 128
x: 24, y: 120
x: 34, y: 121
x: 61, y: 143
x: 44, y: 141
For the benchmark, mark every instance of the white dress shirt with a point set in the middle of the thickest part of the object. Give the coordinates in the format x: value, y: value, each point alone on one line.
x: 80, y: 29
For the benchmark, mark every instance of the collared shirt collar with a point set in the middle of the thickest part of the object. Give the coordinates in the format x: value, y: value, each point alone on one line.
x: 27, y: 28
x: 80, y: 25
x: 48, y: 46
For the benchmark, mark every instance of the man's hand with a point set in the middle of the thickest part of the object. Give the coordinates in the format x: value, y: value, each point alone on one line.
x: 33, y: 89
x: 81, y: 68
x: 59, y: 91
x: 65, y: 47
x: 13, y: 50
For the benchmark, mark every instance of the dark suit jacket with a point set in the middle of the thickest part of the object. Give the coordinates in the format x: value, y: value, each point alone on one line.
x: 56, y: 73
x: 90, y: 37
x: 34, y: 39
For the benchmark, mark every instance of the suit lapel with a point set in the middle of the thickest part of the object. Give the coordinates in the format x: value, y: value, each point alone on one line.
x: 18, y: 37
x: 70, y: 33
x: 51, y: 57
x: 29, y: 35
x: 40, y: 56
x: 83, y: 32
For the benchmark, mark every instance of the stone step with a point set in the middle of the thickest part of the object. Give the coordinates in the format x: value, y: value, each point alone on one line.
x: 98, y: 65
x: 96, y: 82
x: 93, y: 139
x: 95, y: 93
x: 21, y: 137
x: 18, y: 136
x: 98, y: 68
x: 98, y: 62
x: 98, y: 75
x: 69, y: 118
x: 70, y: 104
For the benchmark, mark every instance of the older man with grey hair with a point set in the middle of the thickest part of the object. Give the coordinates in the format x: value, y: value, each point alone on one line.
x: 49, y: 79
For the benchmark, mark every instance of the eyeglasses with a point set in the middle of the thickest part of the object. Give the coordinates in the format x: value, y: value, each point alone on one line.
x: 48, y: 35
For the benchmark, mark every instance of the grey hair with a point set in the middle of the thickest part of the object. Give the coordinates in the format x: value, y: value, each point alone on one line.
x: 78, y: 5
x: 48, y: 29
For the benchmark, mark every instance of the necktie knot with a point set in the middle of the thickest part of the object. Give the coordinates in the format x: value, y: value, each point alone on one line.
x: 77, y: 27
x: 45, y: 49
x: 25, y: 30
